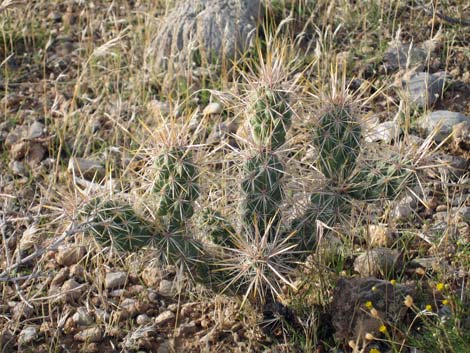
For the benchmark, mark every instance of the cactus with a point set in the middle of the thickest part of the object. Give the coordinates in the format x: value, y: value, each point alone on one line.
x: 117, y: 224
x: 176, y: 185
x: 270, y: 119
x: 338, y: 140
x: 219, y: 230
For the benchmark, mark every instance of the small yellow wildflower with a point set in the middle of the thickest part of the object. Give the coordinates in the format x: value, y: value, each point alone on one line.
x: 428, y: 307
x: 408, y: 301
x: 374, y: 288
x: 440, y: 286
x: 445, y: 302
x: 369, y: 305
x: 374, y: 350
x: 393, y: 282
x: 383, y: 329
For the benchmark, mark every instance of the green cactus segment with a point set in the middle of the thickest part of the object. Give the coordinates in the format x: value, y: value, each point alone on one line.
x: 219, y: 230
x: 382, y: 179
x: 263, y: 190
x: 329, y: 208
x: 271, y: 118
x: 176, y: 185
x: 118, y: 225
x: 337, y: 138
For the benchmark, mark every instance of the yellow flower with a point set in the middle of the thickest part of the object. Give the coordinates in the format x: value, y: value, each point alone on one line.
x: 428, y: 307
x: 368, y: 304
x: 374, y: 350
x: 445, y: 302
x: 374, y: 288
x: 440, y: 286
x: 383, y: 329
x: 393, y: 282
x: 408, y: 301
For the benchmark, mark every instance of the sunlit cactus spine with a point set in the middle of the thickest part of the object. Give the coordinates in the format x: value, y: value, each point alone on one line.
x: 117, y: 224
x: 175, y: 185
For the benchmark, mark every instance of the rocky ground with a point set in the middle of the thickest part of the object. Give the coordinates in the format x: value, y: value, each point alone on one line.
x: 84, y: 85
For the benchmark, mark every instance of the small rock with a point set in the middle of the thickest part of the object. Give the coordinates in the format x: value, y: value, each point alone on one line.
x: 462, y: 213
x: 92, y: 334
x: 166, y: 288
x: 452, y: 167
x: 142, y: 319
x: 164, y: 318
x: 404, y: 209
x: 461, y: 136
x: 71, y: 290
x: 405, y: 56
x: 36, y: 153
x: 212, y: 108
x: 115, y: 280
x: 18, y: 168
x: 70, y: 255
x: 27, y: 335
x: 151, y: 275
x: 443, y: 121
x: 379, y: 235
x: 20, y: 310
x: 88, y: 169
x: 102, y: 315
x: 18, y: 150
x: 82, y: 317
x: 164, y: 347
x: 375, y: 262
x: 386, y: 132
x: 60, y: 277
x: 186, y: 329
x: 423, y: 89
x: 36, y: 130
x: 130, y: 305
x: 29, y: 238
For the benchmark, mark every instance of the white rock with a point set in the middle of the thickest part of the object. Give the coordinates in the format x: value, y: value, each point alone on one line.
x: 82, y: 317
x: 212, y: 108
x: 166, y: 288
x: 164, y: 318
x: 93, y: 334
x: 27, y: 335
x: 68, y: 255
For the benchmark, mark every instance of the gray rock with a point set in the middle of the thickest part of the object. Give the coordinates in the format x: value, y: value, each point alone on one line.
x: 186, y: 329
x: 205, y: 29
x: 166, y: 288
x: 18, y: 168
x: 404, y: 209
x: 115, y: 280
x: 386, y: 131
x: 375, y: 262
x: 27, y: 335
x: 352, y: 317
x: 423, y: 89
x: 441, y: 120
x: 82, y: 317
x: 462, y: 214
x: 92, y: 334
x: 71, y: 290
x: 60, y: 277
x: 452, y: 167
x: 405, y: 56
x: 164, y: 318
x: 142, y: 319
x: 70, y: 255
x: 36, y: 130
x: 379, y: 235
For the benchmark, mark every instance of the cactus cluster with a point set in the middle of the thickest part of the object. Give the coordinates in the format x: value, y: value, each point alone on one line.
x: 252, y: 259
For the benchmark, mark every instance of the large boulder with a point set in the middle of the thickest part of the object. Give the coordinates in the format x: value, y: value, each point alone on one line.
x: 205, y: 31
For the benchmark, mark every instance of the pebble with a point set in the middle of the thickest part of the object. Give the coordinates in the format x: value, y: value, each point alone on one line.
x: 70, y: 255
x: 18, y: 150
x: 36, y: 130
x: 166, y: 288
x: 375, y: 262
x: 88, y: 169
x: 92, y: 334
x: 442, y: 121
x: 461, y: 136
x: 18, y: 168
x: 165, y: 317
x: 60, y: 277
x: 404, y: 56
x: 82, y: 317
x: 212, y: 108
x: 115, y: 280
x: 186, y: 329
x: 27, y: 335
x: 404, y: 209
x: 379, y: 235
x: 386, y: 132
x: 142, y: 319
x: 71, y: 290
